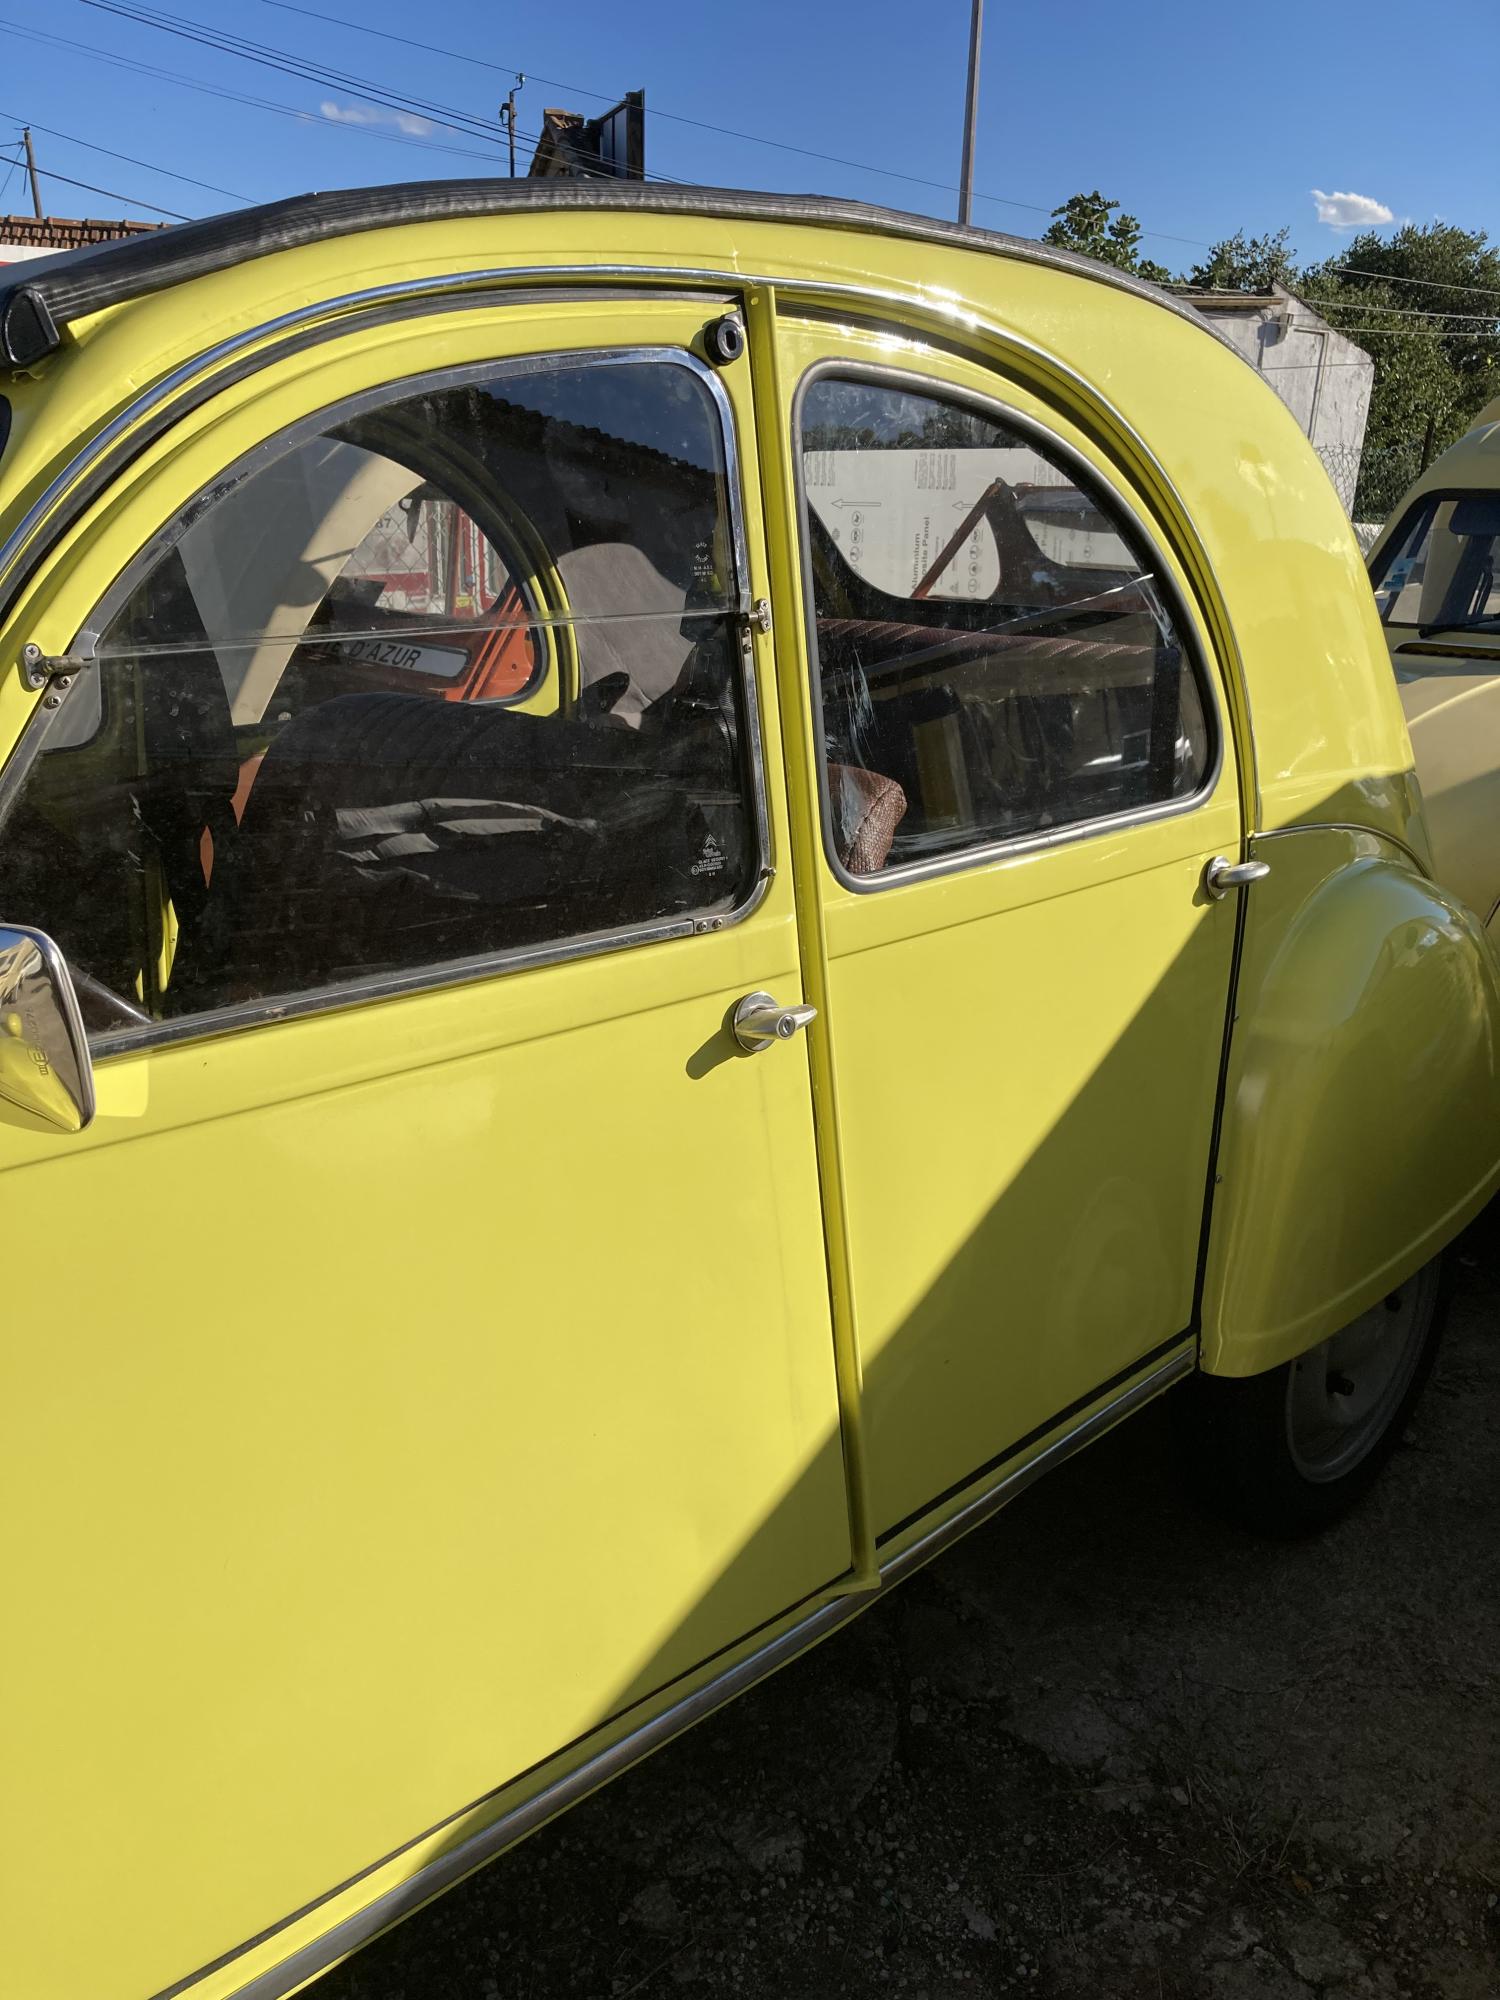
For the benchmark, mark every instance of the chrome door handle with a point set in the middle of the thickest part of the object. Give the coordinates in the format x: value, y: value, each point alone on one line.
x: 757, y: 1022
x: 1221, y: 875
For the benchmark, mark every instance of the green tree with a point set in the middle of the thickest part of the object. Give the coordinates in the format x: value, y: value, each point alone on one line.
x: 1246, y: 264
x: 1094, y: 226
x: 1425, y: 305
x: 1423, y: 302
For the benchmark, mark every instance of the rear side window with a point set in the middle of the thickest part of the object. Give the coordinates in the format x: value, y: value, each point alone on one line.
x: 299, y: 760
x: 996, y: 656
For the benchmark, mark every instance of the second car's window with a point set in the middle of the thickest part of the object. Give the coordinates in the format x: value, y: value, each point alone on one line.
x: 1439, y: 570
x: 297, y: 761
x: 995, y: 653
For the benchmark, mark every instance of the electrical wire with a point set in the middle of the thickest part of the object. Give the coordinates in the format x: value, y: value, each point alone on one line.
x: 271, y: 57
x: 51, y: 174
x: 1410, y: 332
x: 286, y: 63
x: 1359, y: 301
x: 283, y: 63
x: 15, y: 166
x: 222, y: 92
x: 149, y: 165
x: 1432, y: 284
x: 676, y: 117
x: 463, y: 123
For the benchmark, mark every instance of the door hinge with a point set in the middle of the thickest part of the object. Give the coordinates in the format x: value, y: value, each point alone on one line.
x: 758, y: 617
x: 39, y: 668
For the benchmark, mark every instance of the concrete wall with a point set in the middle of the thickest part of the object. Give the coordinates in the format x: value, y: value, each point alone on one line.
x: 1324, y: 379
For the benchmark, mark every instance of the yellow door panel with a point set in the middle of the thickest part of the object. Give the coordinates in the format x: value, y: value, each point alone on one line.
x: 409, y: 1386
x: 1027, y: 1093
x: 376, y: 1471
x: 1026, y: 1040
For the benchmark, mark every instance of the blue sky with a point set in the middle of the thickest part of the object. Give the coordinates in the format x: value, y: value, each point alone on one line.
x: 1200, y: 125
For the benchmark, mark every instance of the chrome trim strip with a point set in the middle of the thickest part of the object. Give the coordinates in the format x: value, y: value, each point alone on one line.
x: 392, y: 985
x: 651, y: 278
x: 941, y: 313
x: 1008, y: 1485
x: 396, y: 389
x: 384, y: 986
x: 511, y: 1827
x: 994, y: 850
x: 1348, y: 826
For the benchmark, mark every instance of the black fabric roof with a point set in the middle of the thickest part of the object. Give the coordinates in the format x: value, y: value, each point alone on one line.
x: 38, y: 302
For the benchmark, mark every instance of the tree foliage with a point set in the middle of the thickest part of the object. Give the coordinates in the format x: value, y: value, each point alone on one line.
x: 1094, y: 226
x: 1423, y: 302
x: 1246, y: 264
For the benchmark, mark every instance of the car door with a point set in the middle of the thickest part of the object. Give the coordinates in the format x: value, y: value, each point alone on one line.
x: 1024, y: 772
x: 424, y: 1356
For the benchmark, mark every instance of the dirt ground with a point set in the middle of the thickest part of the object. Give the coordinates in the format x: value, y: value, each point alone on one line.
x: 1106, y: 1748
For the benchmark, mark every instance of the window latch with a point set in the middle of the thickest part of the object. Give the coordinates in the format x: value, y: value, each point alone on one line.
x: 38, y: 669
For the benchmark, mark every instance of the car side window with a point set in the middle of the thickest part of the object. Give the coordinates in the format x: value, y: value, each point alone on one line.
x: 297, y: 760
x: 996, y: 659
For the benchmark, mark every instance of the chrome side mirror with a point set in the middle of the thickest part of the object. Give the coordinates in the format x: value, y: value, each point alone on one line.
x: 45, y: 1067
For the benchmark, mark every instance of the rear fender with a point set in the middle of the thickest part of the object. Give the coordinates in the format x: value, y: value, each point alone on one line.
x: 1361, y: 1125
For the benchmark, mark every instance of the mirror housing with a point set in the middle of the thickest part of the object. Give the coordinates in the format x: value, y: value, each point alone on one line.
x: 45, y: 1066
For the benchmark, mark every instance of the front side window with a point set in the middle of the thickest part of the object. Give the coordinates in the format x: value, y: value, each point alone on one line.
x: 298, y: 760
x: 996, y: 655
x: 1437, y: 571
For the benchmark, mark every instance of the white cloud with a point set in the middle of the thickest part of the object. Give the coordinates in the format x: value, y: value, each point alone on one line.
x: 1350, y: 211
x: 374, y: 114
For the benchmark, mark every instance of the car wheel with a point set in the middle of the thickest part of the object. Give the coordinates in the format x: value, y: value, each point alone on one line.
x: 1289, y: 1451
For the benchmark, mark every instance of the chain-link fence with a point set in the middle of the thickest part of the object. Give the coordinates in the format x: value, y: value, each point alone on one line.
x: 1371, y: 482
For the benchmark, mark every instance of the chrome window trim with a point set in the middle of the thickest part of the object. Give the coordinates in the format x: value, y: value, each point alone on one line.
x: 454, y: 972
x: 996, y: 1492
x: 653, y: 280
x: 460, y: 375
x: 492, y: 286
x: 327, y: 318
x: 980, y: 855
x: 420, y: 979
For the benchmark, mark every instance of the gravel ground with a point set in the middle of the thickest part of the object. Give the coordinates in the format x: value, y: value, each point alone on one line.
x: 1105, y: 1748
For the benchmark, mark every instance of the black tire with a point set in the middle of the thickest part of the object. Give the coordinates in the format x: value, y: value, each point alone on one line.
x: 1239, y: 1439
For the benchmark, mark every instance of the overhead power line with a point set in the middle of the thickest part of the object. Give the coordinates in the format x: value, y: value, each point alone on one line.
x: 1358, y: 302
x: 149, y: 166
x: 178, y: 80
x: 110, y: 194
x: 676, y: 117
x: 1410, y: 332
x: 286, y: 64
x: 1432, y: 284
x: 1361, y: 304
x: 399, y: 103
x: 269, y: 56
x: 14, y: 167
x: 468, y: 124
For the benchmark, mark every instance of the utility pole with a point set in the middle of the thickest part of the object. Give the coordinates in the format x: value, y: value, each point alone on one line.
x: 508, y: 119
x: 36, y: 192
x: 971, y: 116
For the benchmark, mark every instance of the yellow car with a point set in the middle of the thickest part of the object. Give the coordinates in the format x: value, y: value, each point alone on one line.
x: 1433, y: 569
x: 689, y: 880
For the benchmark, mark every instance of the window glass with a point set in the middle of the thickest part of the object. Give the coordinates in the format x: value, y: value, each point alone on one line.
x: 297, y: 760
x: 995, y: 655
x: 1438, y: 571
